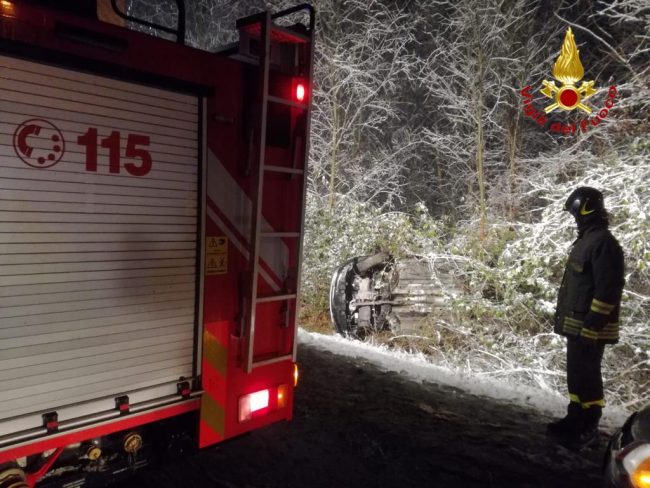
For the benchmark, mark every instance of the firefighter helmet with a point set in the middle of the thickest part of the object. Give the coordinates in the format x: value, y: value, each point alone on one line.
x: 585, y: 201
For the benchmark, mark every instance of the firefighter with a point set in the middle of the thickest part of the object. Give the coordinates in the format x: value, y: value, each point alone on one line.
x: 587, y: 314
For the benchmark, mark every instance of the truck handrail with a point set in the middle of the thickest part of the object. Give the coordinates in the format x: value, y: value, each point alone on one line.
x: 179, y: 32
x: 298, y: 8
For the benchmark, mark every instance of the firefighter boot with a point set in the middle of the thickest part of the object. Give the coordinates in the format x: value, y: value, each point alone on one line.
x: 569, y: 424
x: 587, y: 435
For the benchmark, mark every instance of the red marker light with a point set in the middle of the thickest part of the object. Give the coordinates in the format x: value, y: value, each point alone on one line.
x: 300, y: 92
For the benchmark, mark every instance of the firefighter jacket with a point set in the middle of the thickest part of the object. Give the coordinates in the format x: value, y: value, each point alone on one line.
x: 590, y: 295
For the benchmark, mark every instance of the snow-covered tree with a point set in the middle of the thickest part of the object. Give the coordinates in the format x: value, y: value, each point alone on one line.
x: 365, y: 62
x: 417, y: 111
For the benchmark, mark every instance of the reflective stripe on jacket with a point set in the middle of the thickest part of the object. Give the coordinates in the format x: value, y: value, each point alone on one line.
x: 592, y: 284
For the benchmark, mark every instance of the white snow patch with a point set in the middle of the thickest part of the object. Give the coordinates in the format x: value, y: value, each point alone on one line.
x: 417, y: 368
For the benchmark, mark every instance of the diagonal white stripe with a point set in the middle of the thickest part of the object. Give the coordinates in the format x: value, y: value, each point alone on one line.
x: 235, y: 205
x: 240, y: 247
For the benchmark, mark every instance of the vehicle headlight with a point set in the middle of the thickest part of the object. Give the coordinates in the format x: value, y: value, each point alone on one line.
x: 636, y: 462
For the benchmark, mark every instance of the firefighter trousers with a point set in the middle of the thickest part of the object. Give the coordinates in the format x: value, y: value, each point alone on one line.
x: 584, y: 378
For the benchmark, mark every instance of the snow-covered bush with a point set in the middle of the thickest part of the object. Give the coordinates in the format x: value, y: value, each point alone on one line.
x: 502, y: 324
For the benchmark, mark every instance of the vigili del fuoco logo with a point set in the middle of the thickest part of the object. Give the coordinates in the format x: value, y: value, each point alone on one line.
x: 568, y: 96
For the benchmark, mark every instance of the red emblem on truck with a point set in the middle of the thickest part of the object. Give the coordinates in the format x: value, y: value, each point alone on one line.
x: 39, y: 143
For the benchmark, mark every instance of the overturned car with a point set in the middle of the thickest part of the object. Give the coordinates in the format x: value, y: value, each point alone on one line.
x: 361, y: 296
x: 377, y: 293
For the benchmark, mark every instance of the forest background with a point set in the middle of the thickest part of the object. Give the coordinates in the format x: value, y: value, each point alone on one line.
x: 420, y: 147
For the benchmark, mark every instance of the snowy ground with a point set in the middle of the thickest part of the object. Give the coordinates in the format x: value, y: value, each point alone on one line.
x: 366, y: 417
x: 417, y: 368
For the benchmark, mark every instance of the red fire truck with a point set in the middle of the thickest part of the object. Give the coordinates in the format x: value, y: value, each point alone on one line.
x: 151, y: 218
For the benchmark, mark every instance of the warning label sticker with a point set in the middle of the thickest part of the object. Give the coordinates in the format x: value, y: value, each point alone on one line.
x: 216, y: 255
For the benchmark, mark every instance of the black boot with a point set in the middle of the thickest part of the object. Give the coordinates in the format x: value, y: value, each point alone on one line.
x: 569, y: 424
x: 587, y: 435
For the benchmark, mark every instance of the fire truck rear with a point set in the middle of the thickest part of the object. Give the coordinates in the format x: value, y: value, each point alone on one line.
x: 151, y: 220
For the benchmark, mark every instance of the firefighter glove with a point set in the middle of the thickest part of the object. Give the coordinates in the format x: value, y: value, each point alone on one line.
x: 595, y: 320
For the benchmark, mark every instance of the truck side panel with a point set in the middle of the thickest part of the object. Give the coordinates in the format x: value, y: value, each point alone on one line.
x: 99, y: 204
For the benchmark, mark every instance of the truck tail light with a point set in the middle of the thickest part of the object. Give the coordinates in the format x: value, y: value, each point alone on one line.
x: 296, y: 374
x: 251, y: 403
x: 263, y: 402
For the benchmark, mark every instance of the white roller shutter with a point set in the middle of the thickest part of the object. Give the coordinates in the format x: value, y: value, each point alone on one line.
x: 97, y: 256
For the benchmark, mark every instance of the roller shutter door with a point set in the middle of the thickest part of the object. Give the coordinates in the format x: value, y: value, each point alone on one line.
x: 98, y: 232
